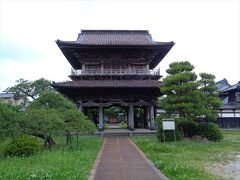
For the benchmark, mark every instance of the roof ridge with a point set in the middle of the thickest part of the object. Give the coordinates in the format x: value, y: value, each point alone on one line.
x: 223, y: 80
x: 114, y: 31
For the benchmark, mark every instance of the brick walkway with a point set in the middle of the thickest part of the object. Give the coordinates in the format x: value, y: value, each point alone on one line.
x: 121, y: 160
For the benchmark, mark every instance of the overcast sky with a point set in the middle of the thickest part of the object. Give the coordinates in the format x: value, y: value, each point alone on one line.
x: 206, y: 33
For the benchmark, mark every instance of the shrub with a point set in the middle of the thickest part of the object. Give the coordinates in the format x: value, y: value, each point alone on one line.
x: 169, y: 135
x: 123, y: 125
x: 188, y: 128
x: 210, y: 131
x: 22, y: 146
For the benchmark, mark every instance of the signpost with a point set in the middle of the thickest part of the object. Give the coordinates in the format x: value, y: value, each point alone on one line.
x: 168, y: 124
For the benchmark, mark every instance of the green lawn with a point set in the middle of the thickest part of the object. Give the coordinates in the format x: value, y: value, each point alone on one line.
x: 189, y: 160
x: 59, y: 163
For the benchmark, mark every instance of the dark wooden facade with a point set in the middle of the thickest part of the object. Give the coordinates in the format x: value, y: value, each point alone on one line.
x: 229, y: 112
x: 114, y: 68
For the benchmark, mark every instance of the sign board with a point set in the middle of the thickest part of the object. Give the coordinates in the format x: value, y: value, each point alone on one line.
x: 168, y: 124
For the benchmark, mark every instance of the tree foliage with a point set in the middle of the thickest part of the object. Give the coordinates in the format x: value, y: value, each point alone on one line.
x: 28, y: 90
x: 180, y: 86
x: 73, y: 119
x: 47, y: 113
x: 52, y: 100
x: 52, y: 113
x: 187, y: 97
x: 42, y: 123
x: 211, y: 101
x: 9, y: 120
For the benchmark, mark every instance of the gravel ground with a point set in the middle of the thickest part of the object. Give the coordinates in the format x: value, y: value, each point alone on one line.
x: 227, y: 170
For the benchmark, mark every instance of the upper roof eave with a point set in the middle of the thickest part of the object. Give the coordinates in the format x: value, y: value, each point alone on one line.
x: 73, y: 44
x: 108, y: 84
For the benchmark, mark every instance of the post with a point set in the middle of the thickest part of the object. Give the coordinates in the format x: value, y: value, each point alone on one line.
x: 148, y: 117
x: 131, y: 117
x: 152, y: 123
x: 234, y: 119
x: 100, y: 114
x: 80, y: 105
x: 145, y: 117
x: 83, y: 69
x: 102, y: 68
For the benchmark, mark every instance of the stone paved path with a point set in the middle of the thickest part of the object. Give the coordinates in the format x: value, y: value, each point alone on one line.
x: 120, y: 160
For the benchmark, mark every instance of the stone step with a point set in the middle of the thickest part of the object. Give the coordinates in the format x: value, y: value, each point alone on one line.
x: 116, y: 134
x: 131, y: 133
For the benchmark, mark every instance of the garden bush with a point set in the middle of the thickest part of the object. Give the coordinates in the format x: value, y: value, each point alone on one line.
x: 123, y: 125
x: 169, y: 135
x: 188, y: 128
x: 210, y: 131
x: 22, y: 146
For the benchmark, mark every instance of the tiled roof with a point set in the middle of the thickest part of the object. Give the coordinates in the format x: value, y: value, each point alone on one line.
x: 232, y: 105
x: 115, y: 37
x: 223, y: 84
x: 108, y: 84
x: 6, y: 95
x: 235, y: 87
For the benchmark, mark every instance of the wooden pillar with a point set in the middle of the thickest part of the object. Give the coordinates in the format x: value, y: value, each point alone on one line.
x: 129, y: 69
x: 102, y: 68
x: 145, y: 117
x: 234, y: 119
x: 152, y: 123
x: 83, y: 69
x: 100, y: 114
x: 222, y: 125
x: 131, y: 117
x: 148, y: 117
x: 80, y: 106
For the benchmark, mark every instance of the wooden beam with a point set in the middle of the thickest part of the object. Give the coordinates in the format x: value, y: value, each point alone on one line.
x: 109, y: 102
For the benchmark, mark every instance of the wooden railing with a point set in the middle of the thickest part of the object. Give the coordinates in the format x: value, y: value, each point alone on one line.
x: 117, y: 72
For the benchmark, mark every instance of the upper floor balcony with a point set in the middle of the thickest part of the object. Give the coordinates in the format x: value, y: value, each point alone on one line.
x: 119, y: 71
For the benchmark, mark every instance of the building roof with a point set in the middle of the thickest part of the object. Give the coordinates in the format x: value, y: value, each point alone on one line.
x: 108, y: 84
x: 115, y: 37
x: 231, y: 105
x: 235, y: 87
x: 90, y: 40
x: 222, y: 84
x: 6, y: 95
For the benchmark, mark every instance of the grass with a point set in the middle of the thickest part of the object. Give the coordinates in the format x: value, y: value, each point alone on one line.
x: 59, y: 163
x: 189, y: 160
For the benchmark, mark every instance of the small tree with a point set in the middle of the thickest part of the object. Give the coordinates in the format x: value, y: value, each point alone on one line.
x: 211, y: 102
x: 76, y: 122
x: 181, y: 90
x: 62, y: 113
x: 42, y: 123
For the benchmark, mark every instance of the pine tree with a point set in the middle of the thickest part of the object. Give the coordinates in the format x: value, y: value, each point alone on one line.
x: 211, y: 101
x: 181, y: 89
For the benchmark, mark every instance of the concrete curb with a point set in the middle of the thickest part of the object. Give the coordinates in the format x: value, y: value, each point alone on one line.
x: 96, y: 163
x: 157, y: 171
